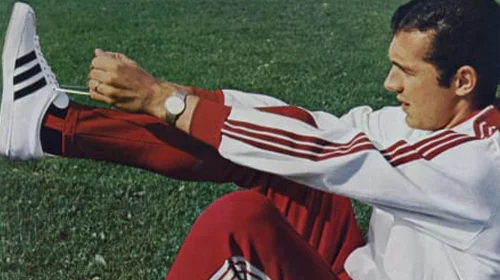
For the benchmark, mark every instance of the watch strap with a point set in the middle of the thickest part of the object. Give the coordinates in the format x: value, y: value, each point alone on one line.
x: 170, y: 117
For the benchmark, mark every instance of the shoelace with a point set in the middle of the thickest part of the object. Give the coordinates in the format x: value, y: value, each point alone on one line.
x: 51, y: 77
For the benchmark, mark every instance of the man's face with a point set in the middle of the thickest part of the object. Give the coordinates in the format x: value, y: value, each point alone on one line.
x: 427, y: 105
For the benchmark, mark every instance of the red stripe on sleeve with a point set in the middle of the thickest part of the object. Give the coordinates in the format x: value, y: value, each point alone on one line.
x: 443, y: 140
x: 423, y: 146
x: 437, y: 136
x: 307, y: 147
x: 298, y: 154
x: 394, y: 147
x: 288, y: 134
x: 208, y: 119
x: 400, y: 152
x: 448, y: 146
x: 291, y: 112
x: 416, y: 154
x: 406, y: 159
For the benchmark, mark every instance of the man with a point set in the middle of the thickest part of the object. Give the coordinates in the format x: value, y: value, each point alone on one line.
x: 430, y: 168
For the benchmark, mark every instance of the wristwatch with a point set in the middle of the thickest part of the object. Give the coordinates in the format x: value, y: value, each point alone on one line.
x: 175, y: 105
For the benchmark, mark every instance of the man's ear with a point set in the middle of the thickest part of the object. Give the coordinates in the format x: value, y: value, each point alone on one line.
x: 465, y: 81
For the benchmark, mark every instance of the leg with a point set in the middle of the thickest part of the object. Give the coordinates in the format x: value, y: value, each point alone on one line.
x: 325, y: 221
x: 132, y: 139
x: 243, y: 234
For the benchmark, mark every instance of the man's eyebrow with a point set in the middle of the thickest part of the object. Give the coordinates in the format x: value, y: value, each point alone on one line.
x: 404, y: 68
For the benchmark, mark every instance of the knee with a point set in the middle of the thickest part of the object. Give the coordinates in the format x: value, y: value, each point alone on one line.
x: 239, y: 210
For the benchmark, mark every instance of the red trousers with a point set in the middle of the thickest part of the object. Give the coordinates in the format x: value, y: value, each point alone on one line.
x: 276, y: 228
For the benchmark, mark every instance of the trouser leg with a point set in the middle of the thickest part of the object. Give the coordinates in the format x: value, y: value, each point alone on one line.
x: 243, y: 236
x: 137, y: 140
x: 325, y: 221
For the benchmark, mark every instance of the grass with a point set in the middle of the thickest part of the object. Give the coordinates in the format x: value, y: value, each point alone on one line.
x: 80, y: 219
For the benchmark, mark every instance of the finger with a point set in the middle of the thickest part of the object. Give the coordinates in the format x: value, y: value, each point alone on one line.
x: 115, y: 55
x: 110, y: 78
x: 109, y: 90
x: 92, y: 84
x: 101, y: 76
x: 99, y: 52
x: 105, y: 63
x: 113, y: 92
x: 101, y: 98
x: 124, y: 58
x: 127, y: 59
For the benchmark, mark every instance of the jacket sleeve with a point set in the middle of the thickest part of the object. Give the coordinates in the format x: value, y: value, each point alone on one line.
x: 347, y: 156
x: 236, y: 98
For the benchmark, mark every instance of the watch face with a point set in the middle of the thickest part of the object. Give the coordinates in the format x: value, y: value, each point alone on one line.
x: 174, y: 105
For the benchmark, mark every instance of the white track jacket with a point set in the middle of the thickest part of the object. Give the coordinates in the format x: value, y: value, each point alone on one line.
x: 435, y: 194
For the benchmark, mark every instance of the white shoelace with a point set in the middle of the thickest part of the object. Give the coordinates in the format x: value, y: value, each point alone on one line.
x: 51, y: 77
x: 72, y: 91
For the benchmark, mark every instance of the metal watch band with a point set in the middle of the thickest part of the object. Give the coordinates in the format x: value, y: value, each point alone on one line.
x: 171, y: 117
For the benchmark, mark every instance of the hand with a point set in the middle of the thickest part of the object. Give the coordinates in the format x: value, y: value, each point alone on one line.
x: 119, y: 81
x: 186, y: 89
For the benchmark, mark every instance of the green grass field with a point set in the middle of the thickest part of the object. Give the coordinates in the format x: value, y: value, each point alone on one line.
x: 58, y: 215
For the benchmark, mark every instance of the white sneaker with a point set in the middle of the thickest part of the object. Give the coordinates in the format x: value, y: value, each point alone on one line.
x: 29, y: 88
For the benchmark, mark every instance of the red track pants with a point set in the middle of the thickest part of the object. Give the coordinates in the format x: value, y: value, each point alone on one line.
x: 276, y: 228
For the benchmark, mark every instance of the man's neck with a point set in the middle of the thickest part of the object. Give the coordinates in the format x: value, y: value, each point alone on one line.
x: 463, y: 111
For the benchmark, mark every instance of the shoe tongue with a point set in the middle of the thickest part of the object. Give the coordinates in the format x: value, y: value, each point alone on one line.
x: 61, y: 101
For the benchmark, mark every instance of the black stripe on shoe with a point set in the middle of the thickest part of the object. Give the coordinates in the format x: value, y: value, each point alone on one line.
x: 27, y: 58
x: 30, y: 89
x: 27, y: 74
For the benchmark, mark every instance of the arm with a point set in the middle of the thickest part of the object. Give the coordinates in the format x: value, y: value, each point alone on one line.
x: 345, y: 156
x: 430, y: 192
x: 231, y: 97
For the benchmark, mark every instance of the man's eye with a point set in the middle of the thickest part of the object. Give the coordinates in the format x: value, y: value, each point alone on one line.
x: 407, y: 71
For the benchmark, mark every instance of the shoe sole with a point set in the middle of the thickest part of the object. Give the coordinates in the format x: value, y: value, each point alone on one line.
x: 12, y: 40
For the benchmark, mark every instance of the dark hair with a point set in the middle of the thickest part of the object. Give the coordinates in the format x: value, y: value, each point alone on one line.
x: 466, y: 32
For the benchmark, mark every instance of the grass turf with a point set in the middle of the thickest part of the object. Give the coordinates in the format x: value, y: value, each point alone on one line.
x: 80, y: 219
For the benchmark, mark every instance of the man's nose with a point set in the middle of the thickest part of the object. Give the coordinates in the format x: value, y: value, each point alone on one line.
x: 393, y: 83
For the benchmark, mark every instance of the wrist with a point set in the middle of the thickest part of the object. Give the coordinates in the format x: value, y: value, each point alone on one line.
x: 175, y: 105
x: 186, y: 89
x: 185, y: 119
x: 156, y: 107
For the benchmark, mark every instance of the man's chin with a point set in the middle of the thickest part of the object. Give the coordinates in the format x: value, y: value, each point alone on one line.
x: 418, y: 124
x: 411, y: 122
x: 408, y: 121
